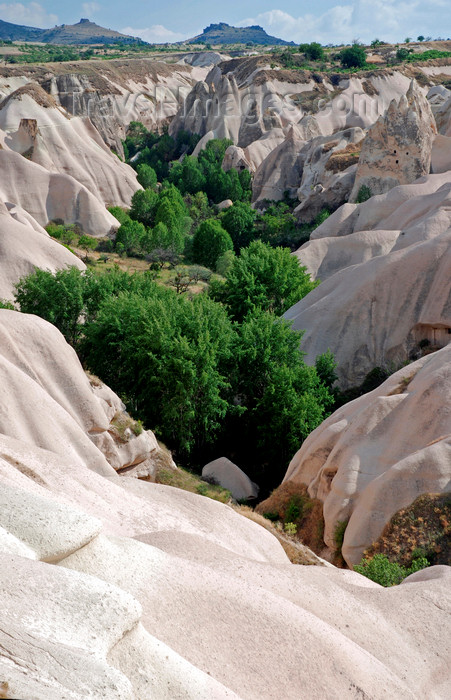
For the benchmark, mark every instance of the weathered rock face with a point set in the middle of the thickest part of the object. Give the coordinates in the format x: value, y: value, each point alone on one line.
x: 328, y: 172
x: 24, y: 245
x: 103, y: 578
x: 42, y: 377
x: 111, y: 94
x: 386, y: 271
x: 38, y: 129
x: 378, y: 453
x: 235, y: 157
x: 47, y: 196
x: 225, y: 473
x: 397, y: 149
x: 281, y: 171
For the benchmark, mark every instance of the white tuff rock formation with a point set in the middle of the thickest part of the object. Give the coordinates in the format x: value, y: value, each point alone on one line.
x: 122, y: 589
x: 397, y: 149
x: 378, y: 453
x: 385, y: 267
x: 25, y: 245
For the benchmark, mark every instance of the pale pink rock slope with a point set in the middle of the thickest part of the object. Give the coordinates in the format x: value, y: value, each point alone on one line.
x: 115, y: 588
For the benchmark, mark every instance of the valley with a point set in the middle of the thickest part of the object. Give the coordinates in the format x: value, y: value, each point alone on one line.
x: 225, y: 302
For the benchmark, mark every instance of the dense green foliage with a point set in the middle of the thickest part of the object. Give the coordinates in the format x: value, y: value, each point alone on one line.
x: 353, y: 57
x: 210, y: 242
x: 363, y: 194
x: 428, y: 55
x: 206, y: 383
x: 147, y: 176
x: 154, y: 150
x: 239, y: 222
x: 387, y: 573
x: 313, y: 51
x: 262, y: 278
x: 180, y: 215
x: 31, y: 53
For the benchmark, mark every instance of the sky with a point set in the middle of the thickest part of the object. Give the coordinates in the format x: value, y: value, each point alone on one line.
x: 326, y: 21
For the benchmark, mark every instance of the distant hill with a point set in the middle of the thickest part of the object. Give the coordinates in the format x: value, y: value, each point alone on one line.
x: 84, y: 32
x: 223, y: 33
x: 16, y: 32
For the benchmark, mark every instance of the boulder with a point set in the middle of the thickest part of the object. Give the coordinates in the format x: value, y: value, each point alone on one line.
x: 397, y: 149
x: 225, y: 204
x: 225, y: 473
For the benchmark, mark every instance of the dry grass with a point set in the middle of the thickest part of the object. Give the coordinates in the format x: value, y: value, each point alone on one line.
x: 290, y: 502
x: 340, y: 160
x: 183, y: 479
x: 296, y: 552
x: 403, y: 384
x: 187, y: 481
x: 123, y: 427
x: 421, y: 529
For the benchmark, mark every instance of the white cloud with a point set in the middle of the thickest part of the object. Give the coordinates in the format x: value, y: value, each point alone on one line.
x: 156, y: 34
x: 90, y: 8
x: 388, y: 20
x: 31, y: 13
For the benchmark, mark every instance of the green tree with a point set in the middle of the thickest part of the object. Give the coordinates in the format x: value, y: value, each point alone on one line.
x: 239, y: 222
x: 87, y: 243
x: 225, y: 262
x: 58, y: 298
x: 312, y: 51
x: 120, y: 214
x: 277, y: 392
x: 353, y: 57
x: 144, y: 204
x: 170, y: 352
x: 168, y: 215
x: 130, y: 237
x: 188, y: 176
x: 210, y: 241
x: 232, y: 184
x: 147, y: 176
x: 263, y: 278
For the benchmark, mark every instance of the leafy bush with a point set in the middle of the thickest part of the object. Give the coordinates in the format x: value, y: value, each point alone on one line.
x: 353, y: 57
x: 403, y: 54
x: 312, y: 51
x: 239, y: 221
x: 225, y: 262
x: 210, y: 241
x: 147, y: 176
x: 381, y: 570
x: 264, y: 278
x: 339, y: 533
x: 363, y: 194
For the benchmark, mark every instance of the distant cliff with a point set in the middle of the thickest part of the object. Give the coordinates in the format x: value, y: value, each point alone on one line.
x: 223, y: 33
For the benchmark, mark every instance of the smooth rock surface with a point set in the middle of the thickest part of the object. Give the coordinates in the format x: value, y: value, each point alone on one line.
x: 385, y: 267
x: 225, y: 473
x: 378, y: 453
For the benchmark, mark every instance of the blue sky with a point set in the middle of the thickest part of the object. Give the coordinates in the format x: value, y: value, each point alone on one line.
x: 327, y: 21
